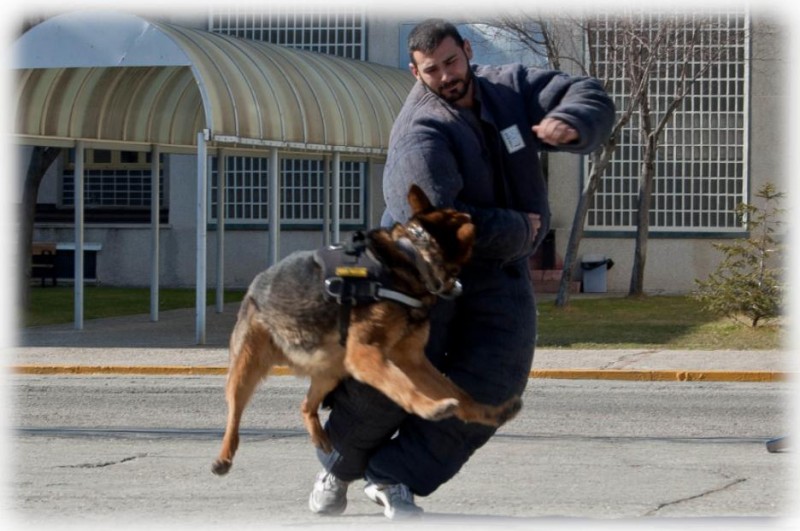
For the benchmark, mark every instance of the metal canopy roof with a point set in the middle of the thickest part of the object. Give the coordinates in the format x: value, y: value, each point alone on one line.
x: 105, y: 77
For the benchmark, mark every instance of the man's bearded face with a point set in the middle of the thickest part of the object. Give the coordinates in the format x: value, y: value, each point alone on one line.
x: 446, y: 71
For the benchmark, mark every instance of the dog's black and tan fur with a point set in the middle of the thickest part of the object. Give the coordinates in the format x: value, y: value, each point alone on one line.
x: 286, y: 319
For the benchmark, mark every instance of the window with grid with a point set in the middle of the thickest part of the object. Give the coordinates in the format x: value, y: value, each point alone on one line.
x: 335, y: 30
x: 302, y: 187
x: 701, y: 165
x: 112, y: 179
x: 111, y: 188
x: 246, y: 189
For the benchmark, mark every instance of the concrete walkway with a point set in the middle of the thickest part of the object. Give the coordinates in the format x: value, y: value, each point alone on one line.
x: 135, y: 345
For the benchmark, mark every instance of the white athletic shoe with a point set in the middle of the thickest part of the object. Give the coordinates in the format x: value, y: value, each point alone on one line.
x: 329, y: 495
x: 397, y: 500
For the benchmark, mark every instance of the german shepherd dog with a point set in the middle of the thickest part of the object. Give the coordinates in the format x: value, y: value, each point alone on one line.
x: 285, y: 318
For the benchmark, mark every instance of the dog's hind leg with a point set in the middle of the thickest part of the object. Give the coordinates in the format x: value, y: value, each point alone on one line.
x: 249, y: 363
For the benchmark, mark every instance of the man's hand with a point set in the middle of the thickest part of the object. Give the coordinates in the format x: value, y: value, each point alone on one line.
x: 536, y: 223
x: 555, y: 132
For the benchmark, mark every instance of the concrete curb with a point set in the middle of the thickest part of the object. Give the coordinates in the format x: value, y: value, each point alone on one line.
x: 564, y: 374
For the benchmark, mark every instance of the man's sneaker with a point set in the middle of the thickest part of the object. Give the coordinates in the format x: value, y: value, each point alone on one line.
x: 329, y: 495
x: 397, y: 500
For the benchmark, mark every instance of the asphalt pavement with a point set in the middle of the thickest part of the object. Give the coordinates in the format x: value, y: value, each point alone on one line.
x: 109, y: 451
x: 136, y: 346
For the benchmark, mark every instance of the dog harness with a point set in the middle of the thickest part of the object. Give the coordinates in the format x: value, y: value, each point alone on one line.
x: 354, y: 277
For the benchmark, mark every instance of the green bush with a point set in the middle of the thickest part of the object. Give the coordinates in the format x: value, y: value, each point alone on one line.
x: 748, y: 284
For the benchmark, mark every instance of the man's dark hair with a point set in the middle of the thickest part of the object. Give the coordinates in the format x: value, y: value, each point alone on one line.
x: 429, y: 34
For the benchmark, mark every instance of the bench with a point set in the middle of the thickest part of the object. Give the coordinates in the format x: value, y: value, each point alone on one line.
x: 43, y: 262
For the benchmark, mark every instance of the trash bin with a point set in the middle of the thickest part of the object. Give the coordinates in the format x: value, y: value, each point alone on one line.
x: 594, y: 268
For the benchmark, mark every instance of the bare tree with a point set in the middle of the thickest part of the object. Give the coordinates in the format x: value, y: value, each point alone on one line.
x: 560, y: 39
x: 668, y: 56
x: 29, y: 21
x: 630, y: 53
x: 609, y: 50
x: 41, y: 160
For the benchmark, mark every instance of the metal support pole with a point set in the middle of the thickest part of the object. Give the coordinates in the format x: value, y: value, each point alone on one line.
x: 326, y: 200
x: 222, y: 168
x: 337, y: 194
x: 79, y: 232
x: 274, y: 207
x: 155, y: 228
x: 200, y: 277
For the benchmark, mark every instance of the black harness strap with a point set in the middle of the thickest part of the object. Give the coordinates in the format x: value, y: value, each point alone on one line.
x: 353, y: 277
x: 344, y: 321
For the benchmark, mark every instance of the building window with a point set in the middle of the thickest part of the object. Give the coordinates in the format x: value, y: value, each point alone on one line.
x: 335, y: 30
x: 117, y: 188
x: 701, y: 165
x: 302, y: 187
x: 111, y: 188
x: 246, y: 189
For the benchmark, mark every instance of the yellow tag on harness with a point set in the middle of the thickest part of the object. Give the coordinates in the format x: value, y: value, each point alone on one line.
x: 358, y: 272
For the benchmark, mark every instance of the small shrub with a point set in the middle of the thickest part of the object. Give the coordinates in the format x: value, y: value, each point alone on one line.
x: 748, y: 284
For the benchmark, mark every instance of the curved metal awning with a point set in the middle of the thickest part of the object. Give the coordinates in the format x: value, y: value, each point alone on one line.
x: 104, y: 77
x: 119, y: 81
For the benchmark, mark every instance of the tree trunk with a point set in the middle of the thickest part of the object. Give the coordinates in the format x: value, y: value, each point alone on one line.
x: 643, y: 218
x: 599, y: 163
x: 575, y: 237
x: 41, y: 160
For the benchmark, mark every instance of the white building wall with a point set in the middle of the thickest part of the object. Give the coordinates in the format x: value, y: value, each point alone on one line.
x: 672, y: 265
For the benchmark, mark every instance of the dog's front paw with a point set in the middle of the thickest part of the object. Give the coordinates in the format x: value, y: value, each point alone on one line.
x: 221, y: 466
x: 442, y: 409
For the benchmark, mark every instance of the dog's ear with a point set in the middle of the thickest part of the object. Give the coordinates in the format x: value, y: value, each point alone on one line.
x: 418, y: 201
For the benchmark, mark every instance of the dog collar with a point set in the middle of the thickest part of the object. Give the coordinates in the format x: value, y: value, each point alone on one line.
x: 396, y: 296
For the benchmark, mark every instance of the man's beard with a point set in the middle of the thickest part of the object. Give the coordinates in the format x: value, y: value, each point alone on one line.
x: 453, y: 97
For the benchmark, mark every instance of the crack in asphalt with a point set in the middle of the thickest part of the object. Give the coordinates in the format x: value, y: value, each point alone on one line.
x: 652, y: 512
x: 153, y: 433
x: 105, y: 463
